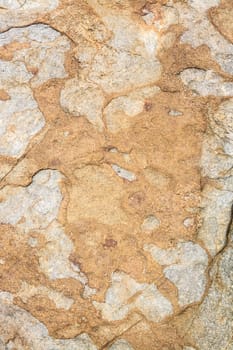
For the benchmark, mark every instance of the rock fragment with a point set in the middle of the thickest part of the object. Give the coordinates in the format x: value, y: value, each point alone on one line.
x: 150, y: 223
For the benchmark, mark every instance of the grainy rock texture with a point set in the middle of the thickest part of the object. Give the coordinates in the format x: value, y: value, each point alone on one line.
x: 116, y: 174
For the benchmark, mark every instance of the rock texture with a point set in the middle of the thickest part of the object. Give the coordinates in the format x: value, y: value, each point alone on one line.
x: 116, y: 174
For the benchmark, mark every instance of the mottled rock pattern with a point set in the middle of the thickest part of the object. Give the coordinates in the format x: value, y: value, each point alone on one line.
x: 116, y: 174
x: 185, y: 267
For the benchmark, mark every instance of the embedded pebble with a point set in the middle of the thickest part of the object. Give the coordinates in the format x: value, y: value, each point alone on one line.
x: 125, y: 174
x: 150, y: 223
x: 175, y: 113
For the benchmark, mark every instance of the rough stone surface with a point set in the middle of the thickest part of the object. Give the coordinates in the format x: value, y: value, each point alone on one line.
x: 38, y: 56
x: 153, y: 305
x: 150, y: 223
x: 116, y: 174
x: 23, y: 331
x: 200, y: 31
x: 120, y: 344
x: 213, y: 322
x: 206, y: 82
x: 217, y: 165
x: 186, y: 268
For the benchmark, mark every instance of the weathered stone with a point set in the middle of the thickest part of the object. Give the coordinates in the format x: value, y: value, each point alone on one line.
x: 19, y: 122
x: 119, y: 71
x: 150, y: 223
x: 175, y: 113
x: 120, y: 344
x: 54, y: 258
x: 217, y: 164
x: 212, y: 326
x: 19, y: 329
x: 221, y: 18
x: 16, y: 13
x: 28, y: 207
x: 83, y: 99
x: 145, y: 297
x: 200, y: 31
x: 188, y: 222
x: 116, y: 174
x: 38, y: 58
x: 42, y: 50
x: 125, y: 174
x: 206, y: 82
x: 121, y: 110
x: 33, y: 211
x: 186, y: 268
x: 216, y: 216
x: 27, y: 291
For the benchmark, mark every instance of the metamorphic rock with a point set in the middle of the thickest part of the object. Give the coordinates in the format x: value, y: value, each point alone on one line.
x: 116, y: 174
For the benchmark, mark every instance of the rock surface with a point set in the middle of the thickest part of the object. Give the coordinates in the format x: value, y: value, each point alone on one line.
x: 116, y: 174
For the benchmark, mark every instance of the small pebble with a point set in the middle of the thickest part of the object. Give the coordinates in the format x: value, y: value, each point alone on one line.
x: 175, y: 113
x: 150, y: 223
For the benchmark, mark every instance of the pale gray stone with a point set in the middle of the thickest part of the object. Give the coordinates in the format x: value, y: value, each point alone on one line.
x: 206, y: 82
x: 127, y: 107
x: 20, y: 323
x: 19, y: 121
x: 218, y: 144
x: 212, y: 326
x: 202, y: 6
x: 217, y: 164
x: 125, y: 174
x: 175, y: 113
x: 200, y: 31
x: 13, y: 74
x: 29, y: 209
x: 31, y: 203
x: 216, y: 216
x: 169, y: 16
x: 114, y: 68
x: 185, y: 266
x: 82, y: 98
x: 149, y: 300
x: 129, y: 36
x: 188, y: 222
x: 29, y: 4
x: 54, y: 258
x: 28, y: 291
x: 118, y: 71
x: 148, y: 17
x: 16, y: 13
x: 216, y: 159
x: 32, y: 242
x: 120, y: 344
x: 129, y: 59
x: 150, y: 223
x: 45, y: 53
